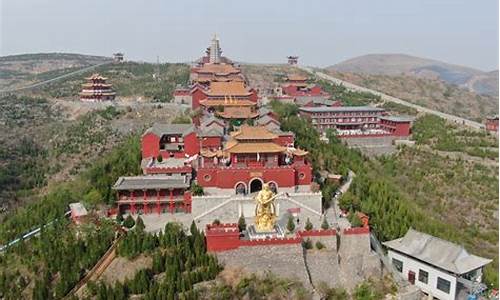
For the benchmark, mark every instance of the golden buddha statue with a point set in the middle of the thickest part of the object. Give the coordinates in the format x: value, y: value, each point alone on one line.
x: 265, y: 210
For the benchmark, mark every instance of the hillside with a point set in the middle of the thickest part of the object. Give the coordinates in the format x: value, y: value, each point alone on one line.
x: 130, y: 80
x: 473, y: 80
x: 19, y: 70
x: 431, y: 93
x: 45, y: 142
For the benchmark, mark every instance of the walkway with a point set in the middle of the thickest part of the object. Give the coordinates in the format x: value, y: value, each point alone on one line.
x: 386, y: 97
x: 332, y: 213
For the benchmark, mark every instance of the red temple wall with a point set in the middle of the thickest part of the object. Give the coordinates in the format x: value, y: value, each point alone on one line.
x: 150, y: 145
x: 198, y: 95
x: 303, y: 175
x: 228, y: 178
x: 191, y: 144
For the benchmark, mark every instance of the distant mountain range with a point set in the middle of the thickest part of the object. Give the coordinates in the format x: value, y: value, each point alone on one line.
x: 474, y: 80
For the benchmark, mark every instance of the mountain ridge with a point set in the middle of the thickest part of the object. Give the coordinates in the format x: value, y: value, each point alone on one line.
x: 395, y: 64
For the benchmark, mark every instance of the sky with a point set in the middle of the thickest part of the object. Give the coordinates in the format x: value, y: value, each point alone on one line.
x: 321, y: 32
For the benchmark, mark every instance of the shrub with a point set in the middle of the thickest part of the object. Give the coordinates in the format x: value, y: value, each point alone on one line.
x: 307, y: 244
x: 216, y: 222
x: 197, y: 190
x: 129, y: 222
x: 242, y: 225
x: 324, y: 224
x: 319, y: 245
x: 159, y: 158
x: 309, y: 225
x: 290, y: 226
x: 355, y: 220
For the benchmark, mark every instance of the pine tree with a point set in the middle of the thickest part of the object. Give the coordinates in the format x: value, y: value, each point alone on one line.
x: 129, y: 222
x: 309, y: 225
x: 119, y: 217
x: 193, y: 229
x: 324, y: 224
x: 242, y: 225
x: 139, y: 224
x: 290, y: 226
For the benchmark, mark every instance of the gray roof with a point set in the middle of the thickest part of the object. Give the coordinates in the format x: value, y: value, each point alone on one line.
x: 209, y: 120
x: 162, y: 129
x: 210, y: 132
x: 437, y: 252
x: 398, y: 118
x: 342, y: 109
x: 265, y: 119
x: 170, y: 162
x: 150, y: 182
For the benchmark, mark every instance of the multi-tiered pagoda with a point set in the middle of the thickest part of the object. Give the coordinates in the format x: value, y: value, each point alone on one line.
x: 96, y: 89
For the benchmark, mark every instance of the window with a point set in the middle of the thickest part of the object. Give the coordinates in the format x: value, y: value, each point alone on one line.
x: 423, y: 276
x: 443, y: 285
x: 398, y: 265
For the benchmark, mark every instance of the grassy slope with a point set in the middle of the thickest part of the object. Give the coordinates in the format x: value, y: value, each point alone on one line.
x: 129, y: 80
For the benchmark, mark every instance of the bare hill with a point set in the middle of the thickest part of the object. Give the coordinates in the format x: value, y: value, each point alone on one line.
x: 427, y: 92
x: 18, y: 70
x: 474, y: 80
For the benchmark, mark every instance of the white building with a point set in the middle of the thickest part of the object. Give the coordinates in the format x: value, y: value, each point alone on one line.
x: 439, y: 268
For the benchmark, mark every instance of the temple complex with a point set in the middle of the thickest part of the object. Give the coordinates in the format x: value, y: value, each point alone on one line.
x: 254, y: 155
x: 297, y: 90
x: 96, y: 89
x: 357, y: 121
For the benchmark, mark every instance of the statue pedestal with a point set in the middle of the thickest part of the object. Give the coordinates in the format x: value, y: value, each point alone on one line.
x: 253, y: 234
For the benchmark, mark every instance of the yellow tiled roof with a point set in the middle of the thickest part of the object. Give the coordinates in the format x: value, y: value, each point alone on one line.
x: 234, y: 88
x: 264, y: 147
x: 218, y: 69
x: 247, y: 132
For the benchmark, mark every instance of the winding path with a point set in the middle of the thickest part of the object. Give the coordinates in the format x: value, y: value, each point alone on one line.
x: 385, y: 97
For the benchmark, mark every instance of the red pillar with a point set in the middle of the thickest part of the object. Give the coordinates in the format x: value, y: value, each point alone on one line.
x: 132, y: 203
x: 171, y: 204
x: 144, y: 203
x: 158, y: 205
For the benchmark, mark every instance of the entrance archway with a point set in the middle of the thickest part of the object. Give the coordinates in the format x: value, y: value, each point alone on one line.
x: 255, y: 185
x: 241, y: 188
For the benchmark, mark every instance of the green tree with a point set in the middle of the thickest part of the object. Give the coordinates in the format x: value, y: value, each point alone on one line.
x: 197, y: 190
x: 290, y: 225
x: 242, y: 225
x: 159, y: 158
x: 324, y: 224
x: 92, y: 198
x: 119, y: 217
x: 319, y: 245
x: 129, y: 222
x: 139, y: 224
x: 309, y: 225
x: 307, y: 244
